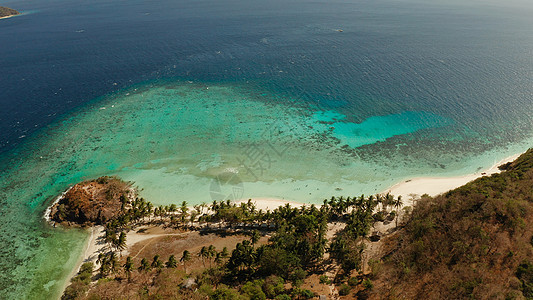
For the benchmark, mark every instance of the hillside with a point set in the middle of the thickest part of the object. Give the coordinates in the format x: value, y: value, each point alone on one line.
x: 6, y: 12
x: 473, y: 242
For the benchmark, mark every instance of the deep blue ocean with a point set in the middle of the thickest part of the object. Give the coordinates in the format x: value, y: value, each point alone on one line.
x: 467, y: 58
x: 434, y: 83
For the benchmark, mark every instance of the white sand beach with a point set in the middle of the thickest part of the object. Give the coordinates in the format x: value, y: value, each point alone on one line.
x: 11, y: 16
x: 270, y: 203
x: 413, y: 188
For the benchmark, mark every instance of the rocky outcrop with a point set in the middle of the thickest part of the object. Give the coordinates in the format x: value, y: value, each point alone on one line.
x: 7, y: 12
x: 92, y: 202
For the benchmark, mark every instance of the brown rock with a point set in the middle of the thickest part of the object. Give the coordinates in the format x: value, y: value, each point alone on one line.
x: 92, y: 202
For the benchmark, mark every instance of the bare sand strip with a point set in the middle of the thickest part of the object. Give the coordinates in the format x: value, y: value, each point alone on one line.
x: 414, y: 188
x: 270, y: 203
x: 10, y: 16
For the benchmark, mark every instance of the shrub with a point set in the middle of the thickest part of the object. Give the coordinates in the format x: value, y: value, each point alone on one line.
x: 277, y: 261
x: 297, y: 276
x: 85, y: 273
x: 324, y: 279
x: 344, y: 290
x: 225, y: 293
x: 205, y: 289
x: 80, y: 283
x: 253, y: 290
x: 74, y: 291
x: 367, y: 283
x: 353, y: 281
x: 283, y: 297
x: 307, y: 294
x: 273, y: 286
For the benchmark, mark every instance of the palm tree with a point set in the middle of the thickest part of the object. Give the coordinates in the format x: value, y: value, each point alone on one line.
x: 214, y: 206
x: 110, y: 237
x: 101, y: 257
x: 211, y: 252
x: 203, y: 254
x: 113, y: 262
x: 156, y: 263
x: 379, y: 200
x: 397, y: 204
x: 243, y: 255
x: 172, y: 208
x: 193, y: 216
x: 218, y: 258
x: 160, y: 212
x: 224, y: 253
x: 184, y: 211
x: 248, y: 251
x: 156, y: 211
x: 120, y: 243
x: 128, y: 267
x: 388, y: 201
x: 123, y: 202
x: 104, y: 266
x: 185, y: 258
x: 103, y: 261
x: 172, y: 262
x: 255, y: 237
x: 145, y: 266
x: 149, y: 209
x: 251, y: 206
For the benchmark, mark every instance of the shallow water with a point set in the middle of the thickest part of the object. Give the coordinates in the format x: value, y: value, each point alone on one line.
x: 210, y: 101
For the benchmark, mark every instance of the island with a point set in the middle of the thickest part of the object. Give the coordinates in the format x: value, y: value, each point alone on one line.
x: 6, y: 12
x: 474, y: 241
x: 91, y: 202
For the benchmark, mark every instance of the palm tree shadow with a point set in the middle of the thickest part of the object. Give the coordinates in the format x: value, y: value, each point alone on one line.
x: 222, y: 232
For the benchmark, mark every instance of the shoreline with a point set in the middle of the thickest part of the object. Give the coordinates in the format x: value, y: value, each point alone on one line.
x: 413, y: 188
x: 11, y: 16
x: 90, y: 250
x: 48, y: 210
x: 271, y: 203
x: 409, y: 189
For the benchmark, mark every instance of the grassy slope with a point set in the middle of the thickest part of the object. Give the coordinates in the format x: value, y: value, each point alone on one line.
x: 467, y: 243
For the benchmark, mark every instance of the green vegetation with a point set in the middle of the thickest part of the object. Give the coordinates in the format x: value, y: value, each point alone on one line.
x: 345, y: 290
x: 324, y: 279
